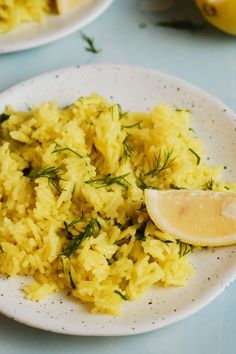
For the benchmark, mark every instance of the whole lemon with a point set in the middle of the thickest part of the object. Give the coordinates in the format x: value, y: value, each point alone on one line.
x: 220, y: 13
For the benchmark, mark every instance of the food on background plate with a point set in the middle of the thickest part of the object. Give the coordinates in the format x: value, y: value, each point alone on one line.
x: 73, y: 214
x: 16, y: 12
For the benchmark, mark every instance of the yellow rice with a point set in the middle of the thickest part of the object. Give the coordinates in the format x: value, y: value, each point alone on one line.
x: 13, y: 13
x: 125, y: 254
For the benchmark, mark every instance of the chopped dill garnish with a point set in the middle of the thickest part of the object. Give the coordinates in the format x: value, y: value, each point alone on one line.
x: 121, y: 113
x: 67, y: 149
x: 196, y: 155
x: 128, y: 149
x: 159, y: 166
x: 53, y: 175
x: 167, y: 241
x: 132, y: 125
x: 123, y: 297
x: 173, y: 186
x: 108, y: 181
x: 192, y: 130
x: 181, y: 25
x: 208, y: 185
x: 182, y: 110
x: 120, y: 226
x: 78, y: 239
x: 74, y: 221
x: 142, y: 207
x: 140, y: 232
x: 4, y: 117
x: 226, y: 187
x: 72, y: 283
x: 184, y: 248
x: 90, y: 42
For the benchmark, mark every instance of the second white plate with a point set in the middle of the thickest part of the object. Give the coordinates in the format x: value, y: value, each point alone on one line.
x: 53, y: 28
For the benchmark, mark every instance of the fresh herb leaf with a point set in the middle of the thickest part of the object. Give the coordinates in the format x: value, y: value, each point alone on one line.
x: 4, y: 117
x: 53, y: 175
x: 167, y: 241
x: 108, y: 181
x: 90, y: 42
x: 196, y: 155
x: 132, y: 125
x: 192, y: 130
x: 208, y: 185
x: 173, y: 186
x: 142, y: 207
x: 77, y: 240
x: 121, y: 113
x: 158, y: 165
x: 120, y: 226
x: 181, y: 25
x: 128, y: 149
x: 182, y: 110
x: 74, y: 221
x: 227, y: 188
x: 72, y: 283
x: 67, y: 149
x: 140, y: 232
x: 123, y: 297
x: 184, y: 248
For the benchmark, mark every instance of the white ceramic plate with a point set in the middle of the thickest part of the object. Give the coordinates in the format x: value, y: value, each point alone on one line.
x: 53, y: 28
x: 135, y: 89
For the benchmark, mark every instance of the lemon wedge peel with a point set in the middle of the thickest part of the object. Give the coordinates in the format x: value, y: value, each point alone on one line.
x: 200, y: 218
x: 220, y: 13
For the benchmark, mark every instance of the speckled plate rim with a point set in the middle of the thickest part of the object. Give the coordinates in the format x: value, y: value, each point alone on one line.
x: 29, y: 41
x: 206, y: 298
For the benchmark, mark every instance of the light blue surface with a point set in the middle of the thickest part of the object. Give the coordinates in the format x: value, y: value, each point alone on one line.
x: 206, y: 58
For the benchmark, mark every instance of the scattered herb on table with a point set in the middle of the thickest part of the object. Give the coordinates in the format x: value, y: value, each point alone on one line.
x: 90, y: 44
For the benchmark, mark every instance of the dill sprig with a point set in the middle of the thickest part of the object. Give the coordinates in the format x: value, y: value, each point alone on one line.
x: 177, y: 109
x: 123, y: 297
x: 90, y: 42
x: 132, y: 125
x: 108, y: 181
x: 74, y: 221
x: 67, y: 149
x: 173, y: 186
x: 208, y: 185
x: 53, y: 175
x: 184, y: 248
x: 77, y: 240
x: 140, y: 232
x: 196, y: 155
x: 4, y: 117
x: 121, y: 113
x: 128, y: 149
x: 159, y: 165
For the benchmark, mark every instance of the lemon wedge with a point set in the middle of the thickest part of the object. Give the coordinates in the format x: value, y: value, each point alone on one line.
x: 220, y: 13
x: 65, y: 5
x: 203, y: 218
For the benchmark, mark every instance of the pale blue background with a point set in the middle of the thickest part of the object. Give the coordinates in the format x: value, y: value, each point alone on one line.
x: 206, y: 58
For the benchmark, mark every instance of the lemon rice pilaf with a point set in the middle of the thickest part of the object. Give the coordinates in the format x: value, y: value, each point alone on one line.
x: 72, y: 186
